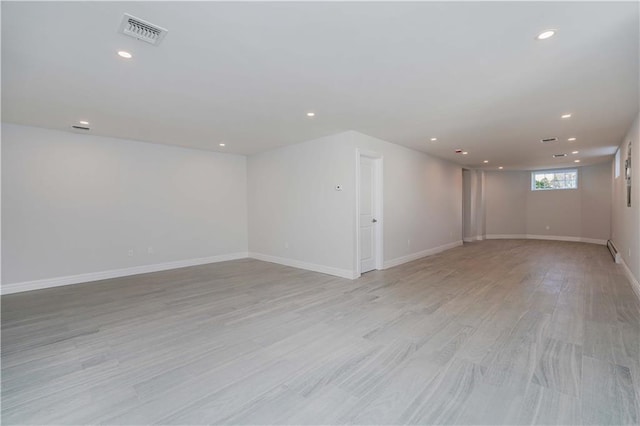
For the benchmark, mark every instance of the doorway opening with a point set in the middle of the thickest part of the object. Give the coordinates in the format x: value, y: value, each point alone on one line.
x: 466, y: 205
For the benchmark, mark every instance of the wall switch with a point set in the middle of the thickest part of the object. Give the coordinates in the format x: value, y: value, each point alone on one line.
x: 548, y: 227
x: 409, y: 243
x: 286, y: 245
x: 130, y: 253
x: 150, y: 250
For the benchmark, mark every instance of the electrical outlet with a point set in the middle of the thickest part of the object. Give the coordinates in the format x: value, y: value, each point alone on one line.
x: 548, y: 227
x: 130, y: 253
x: 150, y: 250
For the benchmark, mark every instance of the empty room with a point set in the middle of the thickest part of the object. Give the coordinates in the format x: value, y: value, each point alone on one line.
x: 320, y: 213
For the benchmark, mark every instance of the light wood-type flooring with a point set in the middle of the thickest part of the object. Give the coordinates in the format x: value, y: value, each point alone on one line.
x: 494, y: 332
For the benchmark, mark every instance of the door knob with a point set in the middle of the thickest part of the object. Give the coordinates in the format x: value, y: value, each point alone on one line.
x: 374, y: 220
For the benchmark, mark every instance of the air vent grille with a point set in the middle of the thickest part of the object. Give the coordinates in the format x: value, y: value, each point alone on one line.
x: 559, y: 155
x: 547, y: 140
x: 80, y: 128
x: 142, y: 30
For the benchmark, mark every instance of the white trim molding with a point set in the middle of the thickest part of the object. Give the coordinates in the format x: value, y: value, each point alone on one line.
x: 506, y: 237
x: 594, y: 241
x: 424, y: 253
x: 545, y: 237
x: 472, y: 239
x: 115, y: 273
x: 635, y: 285
x: 563, y: 238
x: 330, y: 270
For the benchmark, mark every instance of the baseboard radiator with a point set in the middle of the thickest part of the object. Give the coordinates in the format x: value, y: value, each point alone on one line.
x: 613, y: 251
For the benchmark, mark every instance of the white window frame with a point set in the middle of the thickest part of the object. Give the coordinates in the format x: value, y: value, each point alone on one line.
x: 533, y: 179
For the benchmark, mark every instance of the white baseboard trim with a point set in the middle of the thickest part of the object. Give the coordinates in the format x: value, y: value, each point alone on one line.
x: 563, y: 238
x: 545, y: 237
x: 506, y: 237
x: 115, y: 273
x: 472, y: 239
x: 594, y: 241
x: 424, y: 253
x: 633, y: 280
x: 330, y: 270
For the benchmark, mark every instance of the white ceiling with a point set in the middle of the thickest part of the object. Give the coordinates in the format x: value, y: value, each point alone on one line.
x: 470, y: 74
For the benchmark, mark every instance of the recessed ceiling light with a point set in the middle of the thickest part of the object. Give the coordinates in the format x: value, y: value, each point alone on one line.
x: 125, y: 54
x: 223, y: 144
x: 546, y: 34
x: 575, y: 152
x: 464, y: 152
x: 576, y: 161
x: 434, y: 139
x: 86, y: 123
x: 501, y: 167
x: 485, y: 161
x: 566, y: 116
x: 571, y: 139
x: 311, y: 114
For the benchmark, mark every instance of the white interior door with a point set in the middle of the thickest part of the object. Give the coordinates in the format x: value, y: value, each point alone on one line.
x: 367, y: 215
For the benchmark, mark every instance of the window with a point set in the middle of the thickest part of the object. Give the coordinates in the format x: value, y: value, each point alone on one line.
x: 554, y: 179
x: 616, y: 166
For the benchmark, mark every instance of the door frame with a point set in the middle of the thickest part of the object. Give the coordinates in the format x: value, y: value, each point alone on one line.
x: 378, y: 168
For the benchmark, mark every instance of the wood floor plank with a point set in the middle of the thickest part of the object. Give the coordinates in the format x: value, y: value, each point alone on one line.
x: 493, y: 332
x: 608, y: 394
x: 492, y: 405
x: 544, y: 406
x: 442, y: 400
x: 560, y: 367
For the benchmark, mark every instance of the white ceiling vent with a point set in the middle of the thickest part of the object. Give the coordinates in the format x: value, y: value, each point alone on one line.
x: 141, y: 29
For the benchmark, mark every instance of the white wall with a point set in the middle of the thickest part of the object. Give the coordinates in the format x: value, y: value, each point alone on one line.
x: 625, y: 222
x: 76, y: 204
x: 294, y: 211
x: 513, y: 209
x: 292, y: 201
x: 556, y: 213
x: 422, y: 199
x: 505, y: 201
x: 596, y: 201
